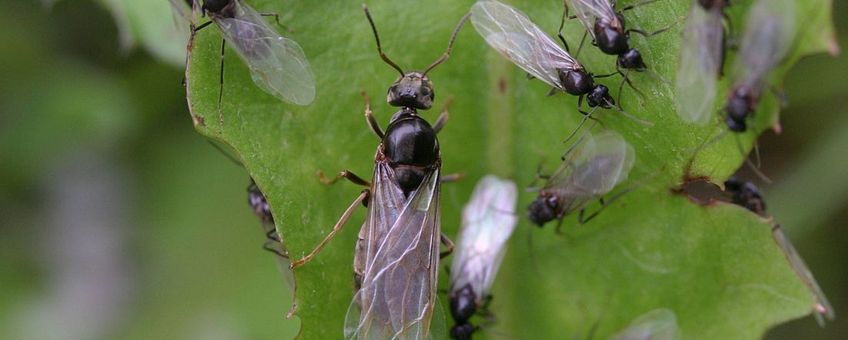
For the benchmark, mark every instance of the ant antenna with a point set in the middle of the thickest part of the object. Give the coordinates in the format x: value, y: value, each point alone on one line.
x: 450, y: 44
x: 754, y: 167
x: 377, y: 38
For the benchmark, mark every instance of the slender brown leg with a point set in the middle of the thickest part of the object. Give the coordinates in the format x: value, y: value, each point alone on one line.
x: 369, y: 117
x: 452, y: 177
x: 336, y: 228
x: 443, y: 117
x: 346, y: 174
x: 448, y: 243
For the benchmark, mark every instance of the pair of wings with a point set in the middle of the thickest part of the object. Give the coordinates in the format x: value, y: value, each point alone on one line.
x: 768, y: 34
x: 518, y: 39
x: 487, y: 223
x: 277, y: 64
x: 592, y: 168
x: 401, y: 243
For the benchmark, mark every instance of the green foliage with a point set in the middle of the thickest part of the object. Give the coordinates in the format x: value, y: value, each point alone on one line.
x: 717, y: 267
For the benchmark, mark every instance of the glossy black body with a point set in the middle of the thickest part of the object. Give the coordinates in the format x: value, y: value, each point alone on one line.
x: 612, y: 38
x: 411, y: 148
x: 543, y: 209
x: 223, y: 8
x: 746, y: 194
x: 580, y: 83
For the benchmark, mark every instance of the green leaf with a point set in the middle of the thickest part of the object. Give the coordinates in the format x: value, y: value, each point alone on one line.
x: 716, y: 267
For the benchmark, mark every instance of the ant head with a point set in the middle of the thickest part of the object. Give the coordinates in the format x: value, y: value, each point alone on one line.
x: 413, y: 89
x: 462, y: 331
x: 599, y: 96
x: 575, y: 82
x: 631, y: 59
x: 216, y: 6
x: 542, y: 210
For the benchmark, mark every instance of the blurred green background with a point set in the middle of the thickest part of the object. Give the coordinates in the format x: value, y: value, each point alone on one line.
x: 107, y: 231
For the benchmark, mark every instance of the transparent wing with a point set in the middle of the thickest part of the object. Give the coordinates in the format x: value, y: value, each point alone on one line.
x: 277, y: 64
x: 518, y: 39
x: 183, y: 19
x: 768, y: 34
x: 593, y: 168
x: 487, y: 223
x: 699, y: 65
x: 658, y: 324
x: 823, y: 308
x: 588, y: 11
x: 182, y: 12
x: 399, y: 280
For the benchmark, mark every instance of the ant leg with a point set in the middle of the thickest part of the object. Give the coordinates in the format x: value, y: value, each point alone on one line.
x: 443, y: 117
x: 336, y: 228
x: 582, y: 41
x: 648, y: 34
x: 277, y: 21
x: 274, y: 247
x: 448, y: 243
x: 537, y: 177
x: 271, y: 234
x: 451, y: 178
x: 202, y: 26
x: 562, y: 24
x: 346, y: 174
x: 585, y: 219
x: 369, y: 117
x: 275, y: 15
x: 586, y: 116
x: 558, y: 229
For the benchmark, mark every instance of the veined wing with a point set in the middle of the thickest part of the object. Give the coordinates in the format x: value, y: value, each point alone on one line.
x: 588, y: 11
x: 277, y: 64
x: 595, y: 166
x: 701, y: 56
x: 823, y: 308
x: 658, y: 324
x: 518, y: 39
x: 487, y: 223
x: 769, y: 32
x: 399, y: 281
